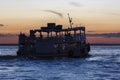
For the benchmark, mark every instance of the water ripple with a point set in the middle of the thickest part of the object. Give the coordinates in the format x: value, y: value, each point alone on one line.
x: 102, y: 65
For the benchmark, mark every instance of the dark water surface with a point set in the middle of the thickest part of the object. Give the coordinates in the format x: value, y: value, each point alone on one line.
x: 104, y: 64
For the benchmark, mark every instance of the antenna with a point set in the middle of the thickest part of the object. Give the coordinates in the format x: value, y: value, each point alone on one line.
x: 70, y: 20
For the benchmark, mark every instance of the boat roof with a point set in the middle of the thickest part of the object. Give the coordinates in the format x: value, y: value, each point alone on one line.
x: 60, y: 30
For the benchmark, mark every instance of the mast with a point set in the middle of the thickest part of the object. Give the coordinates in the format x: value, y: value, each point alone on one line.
x: 70, y: 20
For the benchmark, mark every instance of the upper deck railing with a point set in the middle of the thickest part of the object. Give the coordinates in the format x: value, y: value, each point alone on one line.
x: 55, y: 33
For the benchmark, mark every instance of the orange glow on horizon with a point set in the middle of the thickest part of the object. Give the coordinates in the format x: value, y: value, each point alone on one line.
x: 98, y: 16
x: 101, y: 40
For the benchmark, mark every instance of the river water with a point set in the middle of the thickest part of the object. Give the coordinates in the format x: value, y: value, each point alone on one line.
x: 104, y: 64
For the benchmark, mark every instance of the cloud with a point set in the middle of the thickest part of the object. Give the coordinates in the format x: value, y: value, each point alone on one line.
x: 1, y: 24
x: 55, y: 12
x: 75, y: 4
x: 105, y: 13
x: 8, y: 35
x: 108, y: 35
x: 114, y: 13
x: 91, y: 31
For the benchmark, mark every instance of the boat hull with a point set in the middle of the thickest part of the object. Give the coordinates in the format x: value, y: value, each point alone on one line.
x: 69, y: 54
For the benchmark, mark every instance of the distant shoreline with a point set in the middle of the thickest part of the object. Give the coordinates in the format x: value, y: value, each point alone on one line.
x: 90, y: 44
x: 105, y: 44
x: 8, y: 44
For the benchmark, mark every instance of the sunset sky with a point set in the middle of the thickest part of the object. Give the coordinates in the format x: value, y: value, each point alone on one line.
x: 101, y: 17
